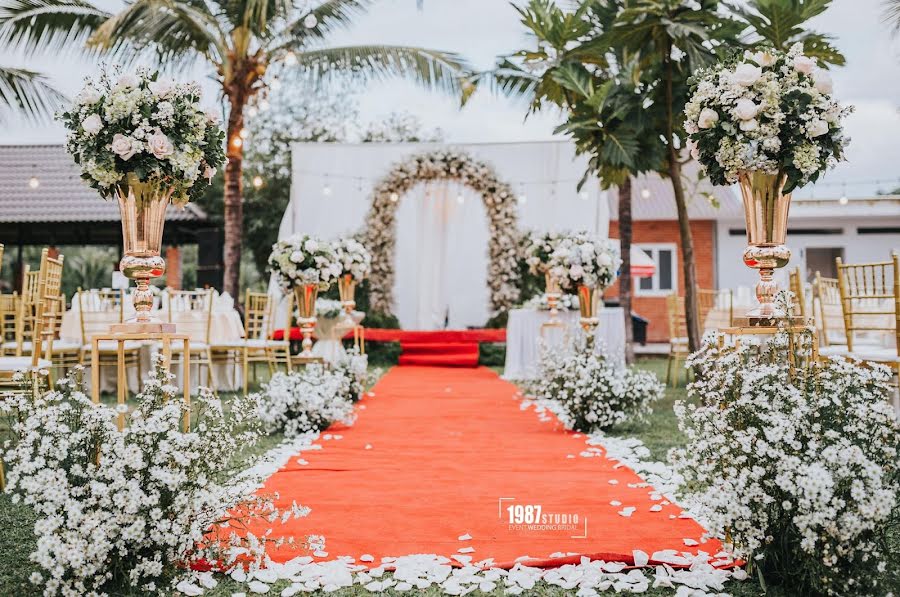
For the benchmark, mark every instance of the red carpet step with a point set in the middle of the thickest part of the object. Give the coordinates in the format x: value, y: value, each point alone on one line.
x: 439, y: 354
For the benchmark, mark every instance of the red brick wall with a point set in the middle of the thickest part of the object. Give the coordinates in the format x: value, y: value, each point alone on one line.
x: 666, y: 231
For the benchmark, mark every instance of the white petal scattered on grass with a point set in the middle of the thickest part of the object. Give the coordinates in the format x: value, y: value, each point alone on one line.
x: 640, y: 558
x: 466, y: 550
x: 188, y: 588
x: 238, y: 574
x: 462, y: 559
x: 320, y: 554
x: 627, y: 511
x: 691, y: 542
x: 367, y: 557
x: 260, y: 588
x: 465, y: 537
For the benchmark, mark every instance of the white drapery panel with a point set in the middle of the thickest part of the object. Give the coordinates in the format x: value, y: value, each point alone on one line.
x: 441, y: 262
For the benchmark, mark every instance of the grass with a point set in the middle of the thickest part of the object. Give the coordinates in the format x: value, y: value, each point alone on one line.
x: 659, y: 433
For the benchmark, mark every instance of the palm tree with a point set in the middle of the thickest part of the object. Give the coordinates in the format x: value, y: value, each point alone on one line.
x: 240, y: 42
x: 778, y: 23
x: 602, y: 95
x: 28, y: 93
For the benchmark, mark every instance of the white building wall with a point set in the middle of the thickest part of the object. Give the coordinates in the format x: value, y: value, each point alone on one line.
x: 731, y: 272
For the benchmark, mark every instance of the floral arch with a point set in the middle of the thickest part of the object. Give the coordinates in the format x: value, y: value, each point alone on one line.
x: 500, y: 205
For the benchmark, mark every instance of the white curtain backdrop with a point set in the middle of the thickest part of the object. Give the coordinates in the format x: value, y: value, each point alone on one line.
x: 441, y: 260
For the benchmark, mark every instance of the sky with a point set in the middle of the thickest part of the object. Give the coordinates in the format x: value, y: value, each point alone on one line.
x: 481, y: 30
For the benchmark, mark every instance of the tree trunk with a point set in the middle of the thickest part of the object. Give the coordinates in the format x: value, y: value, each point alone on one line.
x: 625, y: 283
x: 689, y: 269
x: 234, y: 198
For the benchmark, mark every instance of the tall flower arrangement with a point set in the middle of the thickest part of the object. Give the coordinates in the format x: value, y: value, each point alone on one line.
x: 143, y: 127
x: 353, y: 258
x: 770, y: 111
x: 134, y: 508
x: 304, y: 259
x: 574, y: 259
x: 797, y: 465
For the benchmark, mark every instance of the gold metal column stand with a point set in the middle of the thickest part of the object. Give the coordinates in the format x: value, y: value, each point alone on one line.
x: 165, y: 339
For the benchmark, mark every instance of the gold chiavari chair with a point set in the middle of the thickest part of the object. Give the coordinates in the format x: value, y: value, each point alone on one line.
x: 798, y: 288
x: 66, y: 353
x: 191, y: 312
x: 97, y: 311
x: 25, y: 315
x: 48, y: 312
x: 9, y: 309
x: 716, y: 310
x: 829, y: 316
x: 870, y: 297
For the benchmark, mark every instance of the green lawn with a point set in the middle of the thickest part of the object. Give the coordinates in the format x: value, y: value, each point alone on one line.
x: 659, y: 433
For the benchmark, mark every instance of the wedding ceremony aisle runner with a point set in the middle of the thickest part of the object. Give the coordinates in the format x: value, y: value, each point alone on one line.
x: 440, y: 461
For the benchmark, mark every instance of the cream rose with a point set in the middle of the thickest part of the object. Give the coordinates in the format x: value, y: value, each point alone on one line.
x: 92, y: 124
x: 816, y: 128
x: 124, y: 146
x: 708, y: 118
x: 746, y: 74
x: 823, y: 81
x: 162, y: 87
x: 749, y: 125
x: 804, y: 64
x: 764, y: 58
x: 88, y: 96
x: 159, y: 145
x: 127, y: 81
x: 745, y: 109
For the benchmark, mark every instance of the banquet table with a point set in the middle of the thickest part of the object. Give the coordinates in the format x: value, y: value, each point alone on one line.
x: 225, y: 326
x: 523, y: 337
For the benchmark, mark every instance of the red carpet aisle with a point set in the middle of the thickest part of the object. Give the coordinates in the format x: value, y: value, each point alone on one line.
x: 441, y: 453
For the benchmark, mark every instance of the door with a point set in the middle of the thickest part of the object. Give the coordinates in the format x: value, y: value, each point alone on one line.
x: 821, y: 259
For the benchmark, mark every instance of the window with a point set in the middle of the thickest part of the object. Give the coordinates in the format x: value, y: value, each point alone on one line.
x: 665, y: 280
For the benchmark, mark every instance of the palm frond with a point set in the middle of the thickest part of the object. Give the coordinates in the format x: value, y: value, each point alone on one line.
x: 441, y: 71
x: 507, y: 79
x: 28, y: 93
x: 173, y: 30
x: 892, y: 14
x: 47, y: 25
x: 330, y: 15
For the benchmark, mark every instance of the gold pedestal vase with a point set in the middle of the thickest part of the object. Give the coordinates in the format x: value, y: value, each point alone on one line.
x: 590, y: 303
x: 347, y: 292
x: 766, y: 209
x: 306, y: 295
x: 143, y: 209
x: 553, y: 292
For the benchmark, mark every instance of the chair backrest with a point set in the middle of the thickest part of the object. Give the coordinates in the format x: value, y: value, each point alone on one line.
x: 716, y: 310
x: 798, y: 288
x: 9, y: 311
x: 191, y: 312
x: 828, y: 311
x: 257, y: 315
x: 98, y: 309
x: 869, y: 299
x: 50, y: 308
x: 27, y: 312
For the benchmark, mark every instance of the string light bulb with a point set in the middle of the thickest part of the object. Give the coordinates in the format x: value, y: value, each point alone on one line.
x: 326, y: 190
x: 34, y: 182
x: 237, y: 141
x: 395, y: 197
x: 257, y: 181
x: 843, y: 200
x: 645, y: 193
x: 244, y: 133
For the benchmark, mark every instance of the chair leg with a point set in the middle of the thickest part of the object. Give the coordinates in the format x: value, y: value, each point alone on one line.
x: 246, y: 369
x: 2, y: 477
x: 209, y: 372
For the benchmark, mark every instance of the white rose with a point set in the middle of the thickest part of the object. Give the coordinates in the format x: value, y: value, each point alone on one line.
x: 297, y: 256
x: 209, y: 172
x: 576, y: 271
x: 604, y: 260
x: 159, y: 145
x: 127, y: 81
x: 92, y: 124
x: 749, y: 125
x: 745, y: 109
x: 708, y: 118
x: 162, y: 87
x: 693, y: 149
x: 311, y: 246
x: 746, y: 74
x: 88, y: 96
x: 823, y: 81
x: 816, y: 128
x: 764, y: 58
x: 124, y: 146
x: 804, y: 64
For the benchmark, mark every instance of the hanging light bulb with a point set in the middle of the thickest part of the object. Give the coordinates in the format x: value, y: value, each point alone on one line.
x: 244, y: 133
x: 257, y: 181
x: 645, y: 193
x: 237, y: 141
x: 326, y: 190
x: 310, y: 21
x: 34, y: 182
x: 290, y: 59
x: 395, y: 197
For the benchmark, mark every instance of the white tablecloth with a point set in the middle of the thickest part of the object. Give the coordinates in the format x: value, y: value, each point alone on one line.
x: 523, y: 335
x: 225, y: 326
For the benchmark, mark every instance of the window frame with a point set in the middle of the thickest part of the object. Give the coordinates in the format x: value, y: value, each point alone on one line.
x: 653, y: 249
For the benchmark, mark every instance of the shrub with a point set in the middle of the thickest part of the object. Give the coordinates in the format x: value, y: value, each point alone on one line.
x: 796, y: 464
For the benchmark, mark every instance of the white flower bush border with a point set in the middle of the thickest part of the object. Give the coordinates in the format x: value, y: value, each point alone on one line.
x: 443, y: 164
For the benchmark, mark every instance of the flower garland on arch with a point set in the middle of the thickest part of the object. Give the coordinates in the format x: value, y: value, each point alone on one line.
x: 444, y: 164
